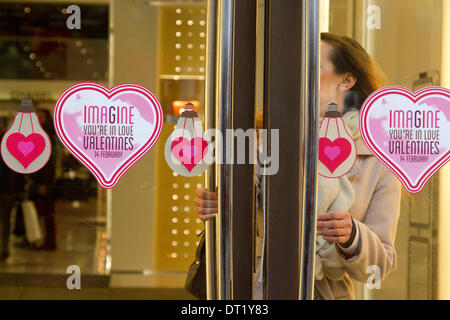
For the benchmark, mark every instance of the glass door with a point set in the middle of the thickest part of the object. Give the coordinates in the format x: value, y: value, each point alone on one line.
x: 409, y: 41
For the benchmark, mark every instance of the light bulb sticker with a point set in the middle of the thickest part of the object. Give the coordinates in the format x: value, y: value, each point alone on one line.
x: 337, y: 150
x: 108, y: 130
x: 187, y: 147
x: 26, y: 147
x: 409, y: 132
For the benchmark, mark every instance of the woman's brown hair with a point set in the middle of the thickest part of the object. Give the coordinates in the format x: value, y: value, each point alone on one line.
x: 348, y: 56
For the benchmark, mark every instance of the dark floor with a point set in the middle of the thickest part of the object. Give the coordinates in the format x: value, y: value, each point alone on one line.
x: 81, y: 240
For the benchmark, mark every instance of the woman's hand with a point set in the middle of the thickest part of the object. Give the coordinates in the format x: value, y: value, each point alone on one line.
x: 335, y: 226
x: 206, y: 204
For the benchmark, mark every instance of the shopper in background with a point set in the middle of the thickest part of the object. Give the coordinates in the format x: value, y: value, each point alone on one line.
x: 42, y: 190
x: 11, y: 191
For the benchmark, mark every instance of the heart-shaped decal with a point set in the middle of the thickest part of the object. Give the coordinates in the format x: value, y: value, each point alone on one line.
x: 187, y: 150
x: 337, y: 150
x: 25, y: 148
x: 409, y: 132
x: 108, y: 130
x: 189, y: 153
x: 333, y: 153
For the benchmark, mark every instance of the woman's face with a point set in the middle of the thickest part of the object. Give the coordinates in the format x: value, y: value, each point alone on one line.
x: 330, y: 82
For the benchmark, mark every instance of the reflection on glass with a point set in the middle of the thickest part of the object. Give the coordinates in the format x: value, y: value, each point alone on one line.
x: 409, y: 48
x: 181, y: 79
x: 36, y: 46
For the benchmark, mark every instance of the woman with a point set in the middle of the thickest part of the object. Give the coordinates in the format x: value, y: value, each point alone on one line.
x: 363, y: 235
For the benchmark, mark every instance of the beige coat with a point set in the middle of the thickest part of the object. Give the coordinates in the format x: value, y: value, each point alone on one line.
x: 376, y: 211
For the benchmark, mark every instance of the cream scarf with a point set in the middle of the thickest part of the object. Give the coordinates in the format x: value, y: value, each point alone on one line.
x: 334, y: 195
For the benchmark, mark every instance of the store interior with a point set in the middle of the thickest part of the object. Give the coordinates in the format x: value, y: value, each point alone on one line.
x: 137, y: 240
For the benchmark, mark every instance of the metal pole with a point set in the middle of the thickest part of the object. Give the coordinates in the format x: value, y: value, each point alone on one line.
x: 266, y: 125
x: 282, y: 100
x: 308, y: 157
x: 224, y: 152
x: 211, y: 290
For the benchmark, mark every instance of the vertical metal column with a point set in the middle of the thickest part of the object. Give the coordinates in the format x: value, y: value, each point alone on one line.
x: 244, y: 58
x: 282, y: 104
x: 210, y: 83
x: 224, y: 173
x: 308, y: 157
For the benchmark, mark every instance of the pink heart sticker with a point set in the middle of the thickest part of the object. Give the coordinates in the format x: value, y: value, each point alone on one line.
x: 188, y: 152
x: 333, y: 153
x: 108, y: 130
x: 408, y: 132
x: 25, y: 148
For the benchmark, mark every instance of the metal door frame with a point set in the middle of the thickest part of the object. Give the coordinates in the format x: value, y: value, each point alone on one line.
x: 291, y: 98
x: 231, y: 89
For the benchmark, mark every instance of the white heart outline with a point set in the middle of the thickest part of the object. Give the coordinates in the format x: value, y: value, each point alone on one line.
x: 109, y: 93
x: 415, y: 97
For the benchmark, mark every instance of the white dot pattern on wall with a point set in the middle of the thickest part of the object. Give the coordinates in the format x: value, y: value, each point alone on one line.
x: 185, y: 36
x: 190, y: 33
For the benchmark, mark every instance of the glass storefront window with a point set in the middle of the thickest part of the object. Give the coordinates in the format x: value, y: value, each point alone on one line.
x: 407, y: 39
x: 143, y: 233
